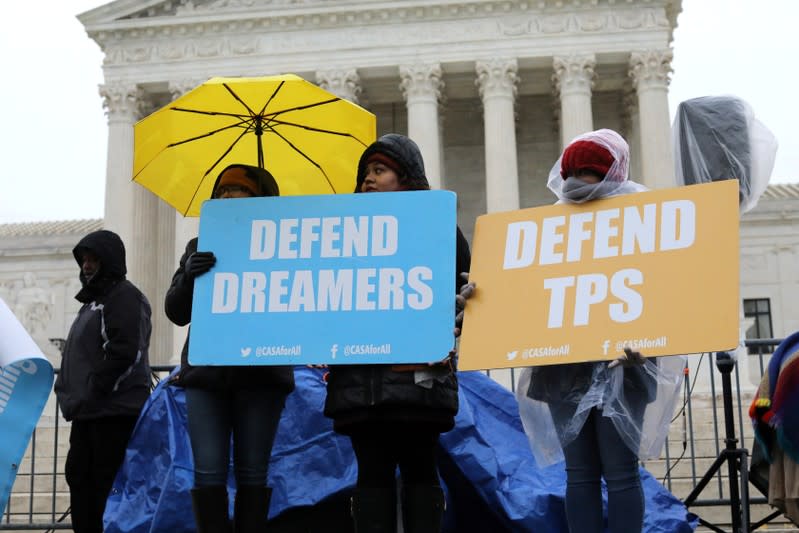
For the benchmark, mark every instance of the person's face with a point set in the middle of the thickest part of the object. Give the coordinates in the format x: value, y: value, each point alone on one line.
x: 588, y: 176
x: 232, y: 191
x: 89, y: 265
x: 380, y: 178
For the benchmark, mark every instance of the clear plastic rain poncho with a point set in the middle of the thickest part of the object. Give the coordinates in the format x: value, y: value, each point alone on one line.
x: 718, y: 138
x: 555, y: 401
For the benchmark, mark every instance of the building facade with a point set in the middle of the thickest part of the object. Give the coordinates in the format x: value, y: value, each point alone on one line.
x: 491, y: 90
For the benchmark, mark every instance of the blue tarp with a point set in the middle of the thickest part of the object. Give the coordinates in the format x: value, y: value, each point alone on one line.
x: 487, y: 468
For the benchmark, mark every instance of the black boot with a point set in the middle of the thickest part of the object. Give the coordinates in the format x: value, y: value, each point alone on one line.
x: 375, y: 510
x: 422, y: 509
x: 210, y: 509
x: 251, y: 509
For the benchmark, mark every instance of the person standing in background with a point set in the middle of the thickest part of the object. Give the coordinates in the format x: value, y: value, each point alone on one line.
x: 105, y: 375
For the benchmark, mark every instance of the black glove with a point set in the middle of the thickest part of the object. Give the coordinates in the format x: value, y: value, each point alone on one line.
x: 466, y: 292
x: 199, y: 263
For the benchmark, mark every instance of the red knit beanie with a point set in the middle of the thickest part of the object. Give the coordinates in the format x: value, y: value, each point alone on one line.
x: 379, y: 157
x: 585, y: 155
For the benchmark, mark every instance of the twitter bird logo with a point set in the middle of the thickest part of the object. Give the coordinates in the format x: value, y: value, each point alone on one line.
x: 512, y: 355
x: 245, y: 352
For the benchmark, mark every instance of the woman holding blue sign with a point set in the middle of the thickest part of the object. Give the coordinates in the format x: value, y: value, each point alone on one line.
x: 245, y: 402
x: 394, y: 413
x: 592, y: 414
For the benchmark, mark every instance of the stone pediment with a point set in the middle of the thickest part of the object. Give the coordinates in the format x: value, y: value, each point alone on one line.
x: 342, y: 11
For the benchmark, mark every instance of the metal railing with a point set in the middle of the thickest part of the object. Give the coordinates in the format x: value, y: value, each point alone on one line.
x: 40, y: 498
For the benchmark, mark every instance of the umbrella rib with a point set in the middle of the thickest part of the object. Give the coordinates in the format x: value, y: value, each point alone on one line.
x: 208, y: 134
x: 193, y: 196
x: 212, y: 113
x: 318, y: 130
x: 274, y: 93
x: 314, y: 163
x: 236, y: 96
x: 300, y: 108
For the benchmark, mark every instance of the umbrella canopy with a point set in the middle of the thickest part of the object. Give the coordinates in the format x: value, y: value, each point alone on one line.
x: 309, y: 139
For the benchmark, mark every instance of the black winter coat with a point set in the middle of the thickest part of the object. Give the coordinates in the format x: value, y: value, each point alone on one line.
x: 364, y: 394
x: 178, y: 308
x: 105, y: 368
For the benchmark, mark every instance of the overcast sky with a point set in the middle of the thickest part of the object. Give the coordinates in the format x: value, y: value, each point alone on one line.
x: 53, y: 133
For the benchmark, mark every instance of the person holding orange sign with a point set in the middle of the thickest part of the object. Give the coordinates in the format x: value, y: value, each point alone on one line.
x: 597, y: 409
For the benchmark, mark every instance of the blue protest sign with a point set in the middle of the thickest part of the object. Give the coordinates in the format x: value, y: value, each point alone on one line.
x: 339, y: 279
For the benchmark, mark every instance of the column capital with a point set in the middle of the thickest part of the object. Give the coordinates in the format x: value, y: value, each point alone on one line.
x: 574, y: 73
x: 344, y: 83
x: 650, y: 68
x: 178, y: 88
x: 122, y: 101
x: 497, y: 77
x: 421, y: 81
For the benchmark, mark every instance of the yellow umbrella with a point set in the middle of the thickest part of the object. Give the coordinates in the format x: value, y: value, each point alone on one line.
x: 309, y: 139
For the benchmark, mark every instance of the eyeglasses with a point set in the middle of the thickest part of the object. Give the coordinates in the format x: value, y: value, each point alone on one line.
x: 231, y: 190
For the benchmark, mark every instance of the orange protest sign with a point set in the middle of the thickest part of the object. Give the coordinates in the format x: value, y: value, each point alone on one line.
x: 655, y: 271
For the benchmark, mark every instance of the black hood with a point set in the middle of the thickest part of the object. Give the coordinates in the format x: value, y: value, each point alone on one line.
x: 402, y: 150
x: 110, y: 249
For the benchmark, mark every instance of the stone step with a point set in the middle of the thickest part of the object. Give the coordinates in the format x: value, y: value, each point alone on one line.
x: 20, y: 502
x: 41, y: 482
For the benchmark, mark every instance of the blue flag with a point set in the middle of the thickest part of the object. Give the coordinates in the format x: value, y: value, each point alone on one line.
x: 26, y: 377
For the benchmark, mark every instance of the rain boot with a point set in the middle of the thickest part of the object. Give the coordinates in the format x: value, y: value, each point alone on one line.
x: 210, y: 509
x: 251, y: 509
x: 422, y: 509
x: 374, y: 510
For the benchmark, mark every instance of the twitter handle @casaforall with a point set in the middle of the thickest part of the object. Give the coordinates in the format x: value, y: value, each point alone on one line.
x: 540, y: 351
x: 275, y: 350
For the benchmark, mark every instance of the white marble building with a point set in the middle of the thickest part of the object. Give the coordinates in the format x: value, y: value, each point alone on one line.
x: 490, y: 89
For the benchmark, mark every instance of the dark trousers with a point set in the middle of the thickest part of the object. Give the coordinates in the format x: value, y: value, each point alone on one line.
x: 597, y: 452
x: 96, y: 451
x: 251, y: 416
x: 381, y: 448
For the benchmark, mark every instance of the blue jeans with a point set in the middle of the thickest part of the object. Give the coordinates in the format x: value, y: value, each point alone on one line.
x: 252, y: 416
x: 597, y: 452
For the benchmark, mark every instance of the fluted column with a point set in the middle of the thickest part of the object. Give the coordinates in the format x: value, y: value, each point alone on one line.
x: 422, y: 86
x: 650, y: 71
x: 183, y: 229
x: 574, y: 80
x: 121, y: 101
x: 632, y: 129
x: 497, y: 81
x: 344, y: 83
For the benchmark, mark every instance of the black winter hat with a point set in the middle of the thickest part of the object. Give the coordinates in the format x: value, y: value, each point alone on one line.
x: 405, y: 152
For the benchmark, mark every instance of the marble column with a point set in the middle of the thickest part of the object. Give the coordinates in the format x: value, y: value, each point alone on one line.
x: 422, y: 88
x: 183, y: 230
x: 574, y: 80
x: 121, y: 101
x: 497, y: 83
x: 650, y: 71
x: 344, y: 83
x: 632, y: 130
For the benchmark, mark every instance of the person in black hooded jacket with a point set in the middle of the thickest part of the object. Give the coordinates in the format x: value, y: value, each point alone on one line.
x: 394, y: 414
x: 105, y: 375
x: 223, y: 400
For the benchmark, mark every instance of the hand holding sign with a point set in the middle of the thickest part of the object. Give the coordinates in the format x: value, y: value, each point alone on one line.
x: 628, y: 359
x: 199, y: 263
x: 465, y: 293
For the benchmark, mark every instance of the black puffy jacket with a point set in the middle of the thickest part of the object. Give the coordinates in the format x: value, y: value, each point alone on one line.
x: 361, y: 394
x: 105, y: 369
x: 178, y: 308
